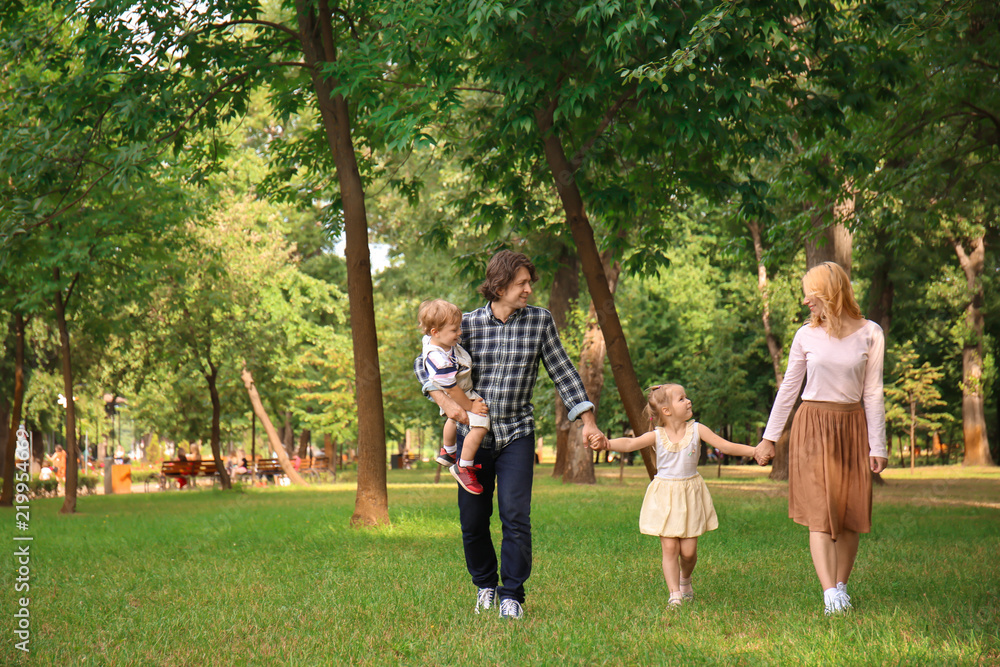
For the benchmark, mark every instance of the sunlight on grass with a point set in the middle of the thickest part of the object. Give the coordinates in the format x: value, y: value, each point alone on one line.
x: 278, y: 576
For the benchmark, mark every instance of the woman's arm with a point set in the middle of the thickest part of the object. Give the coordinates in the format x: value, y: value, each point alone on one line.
x: 723, y: 445
x: 873, y: 396
x: 791, y: 385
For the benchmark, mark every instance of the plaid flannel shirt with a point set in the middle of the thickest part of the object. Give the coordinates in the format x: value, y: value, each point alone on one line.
x: 505, y: 358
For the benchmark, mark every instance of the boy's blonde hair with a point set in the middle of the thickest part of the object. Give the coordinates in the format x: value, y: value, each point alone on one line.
x: 829, y: 283
x: 436, y: 314
x: 659, y: 395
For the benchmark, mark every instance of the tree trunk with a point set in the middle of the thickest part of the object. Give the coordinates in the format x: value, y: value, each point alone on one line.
x: 779, y: 466
x: 213, y: 390
x: 913, y: 433
x: 597, y: 283
x: 272, y: 434
x: 332, y: 460
x: 287, y: 433
x: 565, y: 293
x: 304, y: 439
x: 7, y: 495
x: 882, y: 290
x: 406, y: 446
x: 977, y: 447
x: 72, y: 453
x: 830, y: 242
x: 5, y: 429
x: 371, y: 506
x: 773, y: 345
x: 579, y: 461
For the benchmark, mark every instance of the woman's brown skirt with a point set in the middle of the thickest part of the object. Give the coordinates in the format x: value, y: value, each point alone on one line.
x: 829, y: 478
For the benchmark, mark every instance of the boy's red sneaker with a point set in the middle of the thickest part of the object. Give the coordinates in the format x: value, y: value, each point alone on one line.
x: 467, y: 478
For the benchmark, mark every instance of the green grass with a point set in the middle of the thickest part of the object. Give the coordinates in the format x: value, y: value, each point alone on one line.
x: 277, y: 577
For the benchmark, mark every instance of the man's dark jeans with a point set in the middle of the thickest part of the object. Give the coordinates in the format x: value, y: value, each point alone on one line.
x: 509, y: 472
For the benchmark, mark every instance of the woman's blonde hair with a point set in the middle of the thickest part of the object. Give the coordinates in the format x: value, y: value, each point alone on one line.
x: 829, y: 283
x: 659, y: 395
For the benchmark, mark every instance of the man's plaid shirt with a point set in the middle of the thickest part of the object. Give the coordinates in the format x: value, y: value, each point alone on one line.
x: 505, y: 358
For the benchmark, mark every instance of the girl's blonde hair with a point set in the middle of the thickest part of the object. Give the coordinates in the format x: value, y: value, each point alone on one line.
x: 829, y: 283
x: 659, y: 395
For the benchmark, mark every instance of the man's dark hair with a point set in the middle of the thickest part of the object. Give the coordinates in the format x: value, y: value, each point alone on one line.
x: 501, y: 270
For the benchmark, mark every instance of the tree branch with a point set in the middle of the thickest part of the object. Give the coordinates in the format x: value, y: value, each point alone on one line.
x: 268, y: 24
x: 183, y: 125
x: 606, y: 120
x: 983, y: 112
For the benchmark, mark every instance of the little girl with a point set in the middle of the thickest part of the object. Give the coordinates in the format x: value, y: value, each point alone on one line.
x: 677, y: 506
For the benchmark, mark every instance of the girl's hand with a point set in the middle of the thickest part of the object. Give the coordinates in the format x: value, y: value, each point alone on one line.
x: 598, y: 441
x: 764, y: 452
x: 479, y: 407
x: 877, y: 463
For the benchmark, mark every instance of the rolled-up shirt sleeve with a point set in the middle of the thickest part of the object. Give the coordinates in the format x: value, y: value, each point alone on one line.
x: 564, y: 373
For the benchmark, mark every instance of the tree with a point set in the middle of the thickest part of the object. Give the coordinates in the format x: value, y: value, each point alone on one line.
x: 7, y: 495
x: 939, y: 162
x: 912, y: 395
x: 579, y: 467
x: 977, y: 449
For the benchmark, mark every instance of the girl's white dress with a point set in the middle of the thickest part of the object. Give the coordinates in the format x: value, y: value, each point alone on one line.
x: 677, y: 502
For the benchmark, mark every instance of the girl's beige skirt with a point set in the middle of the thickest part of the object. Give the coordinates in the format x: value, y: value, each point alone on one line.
x: 677, y: 508
x: 829, y: 478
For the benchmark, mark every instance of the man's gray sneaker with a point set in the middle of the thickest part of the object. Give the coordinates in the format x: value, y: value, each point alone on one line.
x: 485, y: 598
x: 510, y: 608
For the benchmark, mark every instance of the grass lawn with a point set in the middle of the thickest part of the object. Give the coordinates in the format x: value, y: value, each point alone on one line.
x: 277, y: 577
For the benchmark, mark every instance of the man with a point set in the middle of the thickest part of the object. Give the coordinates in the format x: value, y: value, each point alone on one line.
x: 506, y: 339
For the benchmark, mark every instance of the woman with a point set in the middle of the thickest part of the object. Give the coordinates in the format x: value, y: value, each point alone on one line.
x: 838, y: 434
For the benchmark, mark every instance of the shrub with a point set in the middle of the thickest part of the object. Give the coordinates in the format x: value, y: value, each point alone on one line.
x: 43, y: 487
x: 88, y: 482
x: 140, y: 476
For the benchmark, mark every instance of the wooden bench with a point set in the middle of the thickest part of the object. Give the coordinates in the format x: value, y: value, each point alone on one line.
x: 187, y: 469
x: 313, y: 470
x: 261, y: 471
x: 405, y: 462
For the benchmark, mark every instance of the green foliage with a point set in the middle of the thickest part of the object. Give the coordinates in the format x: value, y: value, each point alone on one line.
x: 912, y: 395
x: 43, y: 487
x: 88, y: 482
x: 682, y: 121
x: 696, y: 324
